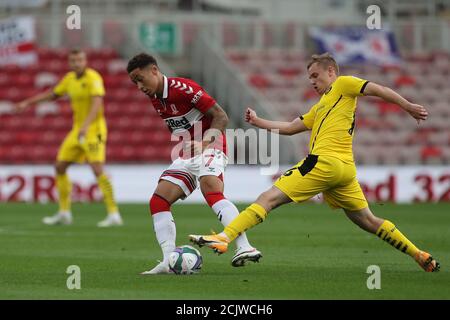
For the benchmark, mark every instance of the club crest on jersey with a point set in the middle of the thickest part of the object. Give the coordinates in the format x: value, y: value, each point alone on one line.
x: 174, y: 109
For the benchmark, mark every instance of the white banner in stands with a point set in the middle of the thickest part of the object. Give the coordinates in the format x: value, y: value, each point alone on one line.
x: 17, y: 41
x: 242, y: 184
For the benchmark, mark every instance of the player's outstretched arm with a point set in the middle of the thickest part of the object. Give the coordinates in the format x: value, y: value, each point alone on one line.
x: 283, y: 127
x: 41, y: 97
x: 416, y: 111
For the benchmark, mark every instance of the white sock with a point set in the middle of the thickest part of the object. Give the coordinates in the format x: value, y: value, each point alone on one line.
x: 166, y: 232
x: 226, y: 212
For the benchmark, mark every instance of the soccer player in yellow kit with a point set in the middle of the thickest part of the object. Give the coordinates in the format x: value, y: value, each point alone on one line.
x: 87, y: 139
x: 329, y: 167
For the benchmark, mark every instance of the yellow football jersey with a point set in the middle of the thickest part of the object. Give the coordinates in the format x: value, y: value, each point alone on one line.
x: 81, y: 90
x: 332, y: 119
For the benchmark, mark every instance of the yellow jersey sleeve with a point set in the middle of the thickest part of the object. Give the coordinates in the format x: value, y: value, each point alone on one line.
x: 96, y: 87
x: 308, y: 118
x: 61, y: 87
x: 351, y: 86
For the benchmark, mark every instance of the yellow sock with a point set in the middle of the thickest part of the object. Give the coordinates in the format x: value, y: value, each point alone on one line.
x: 108, y: 194
x: 389, y: 233
x: 64, y: 188
x: 247, y: 219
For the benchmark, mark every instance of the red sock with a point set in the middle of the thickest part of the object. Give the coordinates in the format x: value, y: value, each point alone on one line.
x: 158, y: 204
x: 213, y: 197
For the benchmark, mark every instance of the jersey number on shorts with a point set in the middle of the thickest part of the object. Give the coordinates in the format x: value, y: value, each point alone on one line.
x: 211, y: 157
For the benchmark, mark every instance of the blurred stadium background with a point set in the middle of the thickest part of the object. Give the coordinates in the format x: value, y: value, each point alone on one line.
x: 244, y: 52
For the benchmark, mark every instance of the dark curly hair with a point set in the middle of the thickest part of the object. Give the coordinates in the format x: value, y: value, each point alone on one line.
x: 140, y: 61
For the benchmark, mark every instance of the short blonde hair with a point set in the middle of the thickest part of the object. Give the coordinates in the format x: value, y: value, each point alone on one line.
x: 325, y: 60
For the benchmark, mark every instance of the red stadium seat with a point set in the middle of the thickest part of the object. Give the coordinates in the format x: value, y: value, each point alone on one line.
x: 117, y: 66
x: 123, y: 154
x: 386, y: 108
x: 113, y: 109
x: 404, y: 80
x: 289, y: 72
x: 6, y: 138
x: 113, y: 81
x: 99, y: 65
x: 52, y: 137
x: 27, y: 137
x: 238, y: 57
x: 259, y: 81
x: 45, y: 79
x: 55, y: 66
x: 431, y: 152
x: 119, y: 95
x: 147, y: 154
x: 310, y: 94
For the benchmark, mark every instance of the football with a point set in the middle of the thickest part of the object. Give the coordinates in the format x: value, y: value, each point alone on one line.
x: 185, y: 260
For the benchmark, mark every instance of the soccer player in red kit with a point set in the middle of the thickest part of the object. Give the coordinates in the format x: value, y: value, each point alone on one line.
x: 192, y: 114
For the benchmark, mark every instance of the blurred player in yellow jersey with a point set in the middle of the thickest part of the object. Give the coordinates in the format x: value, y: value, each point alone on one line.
x: 87, y: 139
x: 329, y: 168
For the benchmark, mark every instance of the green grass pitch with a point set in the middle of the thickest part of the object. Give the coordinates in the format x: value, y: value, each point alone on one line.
x: 309, y: 252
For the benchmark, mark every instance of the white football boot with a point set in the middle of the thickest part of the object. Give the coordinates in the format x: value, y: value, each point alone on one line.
x: 161, y: 268
x: 63, y: 217
x: 244, y: 254
x: 111, y: 220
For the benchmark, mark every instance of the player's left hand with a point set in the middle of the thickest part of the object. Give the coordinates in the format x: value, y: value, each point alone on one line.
x: 417, y: 111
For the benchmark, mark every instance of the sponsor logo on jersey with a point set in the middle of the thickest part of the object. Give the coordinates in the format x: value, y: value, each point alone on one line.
x: 197, y: 97
x: 183, y: 122
x: 178, y: 123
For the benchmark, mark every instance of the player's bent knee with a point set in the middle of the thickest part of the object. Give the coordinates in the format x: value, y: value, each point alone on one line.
x: 211, y: 184
x: 158, y: 204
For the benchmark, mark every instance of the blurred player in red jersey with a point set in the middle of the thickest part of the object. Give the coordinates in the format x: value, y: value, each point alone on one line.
x: 191, y: 113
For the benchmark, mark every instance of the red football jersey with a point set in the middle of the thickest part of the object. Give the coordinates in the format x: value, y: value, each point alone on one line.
x: 183, y: 107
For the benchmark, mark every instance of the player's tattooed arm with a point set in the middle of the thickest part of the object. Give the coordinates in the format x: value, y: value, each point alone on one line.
x: 417, y: 111
x: 219, y: 122
x: 281, y: 127
x: 41, y: 97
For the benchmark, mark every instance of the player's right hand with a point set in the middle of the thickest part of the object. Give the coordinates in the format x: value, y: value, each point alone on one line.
x: 20, y: 106
x: 417, y: 111
x: 250, y: 116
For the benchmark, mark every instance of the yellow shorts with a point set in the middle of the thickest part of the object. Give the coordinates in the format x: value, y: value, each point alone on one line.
x: 329, y: 175
x: 93, y: 149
